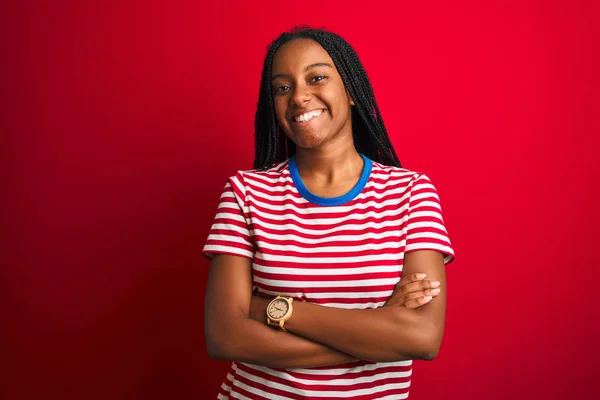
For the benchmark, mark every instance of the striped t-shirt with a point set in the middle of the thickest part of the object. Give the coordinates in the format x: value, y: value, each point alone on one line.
x: 344, y: 252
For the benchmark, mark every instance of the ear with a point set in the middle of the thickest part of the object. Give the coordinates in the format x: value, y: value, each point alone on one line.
x: 350, y: 98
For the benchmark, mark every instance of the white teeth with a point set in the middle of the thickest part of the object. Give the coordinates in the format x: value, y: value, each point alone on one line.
x: 308, y: 116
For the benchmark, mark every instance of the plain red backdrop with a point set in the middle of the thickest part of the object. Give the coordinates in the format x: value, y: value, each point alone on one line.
x: 121, y: 121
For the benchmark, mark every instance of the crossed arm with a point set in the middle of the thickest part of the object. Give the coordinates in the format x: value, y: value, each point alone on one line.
x: 409, y: 326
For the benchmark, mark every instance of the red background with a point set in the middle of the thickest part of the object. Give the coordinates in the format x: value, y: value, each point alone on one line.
x: 121, y: 121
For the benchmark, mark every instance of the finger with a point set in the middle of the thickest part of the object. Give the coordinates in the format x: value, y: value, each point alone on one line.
x: 412, y: 296
x: 414, y: 277
x: 418, y: 302
x: 399, y: 299
x: 409, y: 278
x: 418, y: 286
x: 403, y: 300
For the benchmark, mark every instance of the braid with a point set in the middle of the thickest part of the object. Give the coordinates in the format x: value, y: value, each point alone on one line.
x: 368, y: 130
x: 265, y: 125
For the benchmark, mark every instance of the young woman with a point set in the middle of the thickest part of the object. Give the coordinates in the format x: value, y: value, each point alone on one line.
x: 304, y: 292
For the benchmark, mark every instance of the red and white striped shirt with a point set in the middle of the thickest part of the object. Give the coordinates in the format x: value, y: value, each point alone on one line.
x: 344, y: 252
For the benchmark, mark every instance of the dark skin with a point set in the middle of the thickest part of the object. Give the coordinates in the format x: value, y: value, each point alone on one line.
x: 409, y: 326
x: 305, y: 79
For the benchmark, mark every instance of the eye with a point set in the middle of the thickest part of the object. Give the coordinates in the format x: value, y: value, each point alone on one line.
x: 281, y: 89
x: 318, y: 78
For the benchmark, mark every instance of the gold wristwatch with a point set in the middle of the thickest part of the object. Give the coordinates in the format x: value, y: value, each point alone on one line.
x: 279, y: 310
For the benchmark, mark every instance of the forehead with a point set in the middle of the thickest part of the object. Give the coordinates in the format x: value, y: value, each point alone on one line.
x: 297, y: 54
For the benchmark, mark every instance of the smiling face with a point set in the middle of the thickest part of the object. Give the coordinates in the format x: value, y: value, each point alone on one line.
x: 312, y: 105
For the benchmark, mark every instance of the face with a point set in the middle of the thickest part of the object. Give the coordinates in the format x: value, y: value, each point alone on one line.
x: 278, y: 309
x: 312, y: 105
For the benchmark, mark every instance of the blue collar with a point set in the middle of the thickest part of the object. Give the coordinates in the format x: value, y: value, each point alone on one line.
x: 330, y: 201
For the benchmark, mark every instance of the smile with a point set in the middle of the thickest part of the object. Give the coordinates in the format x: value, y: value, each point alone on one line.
x: 303, y: 118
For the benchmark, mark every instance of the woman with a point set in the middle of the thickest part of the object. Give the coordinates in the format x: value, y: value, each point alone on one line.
x: 304, y: 292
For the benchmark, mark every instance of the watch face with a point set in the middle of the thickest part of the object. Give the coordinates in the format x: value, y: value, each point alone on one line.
x: 278, y: 309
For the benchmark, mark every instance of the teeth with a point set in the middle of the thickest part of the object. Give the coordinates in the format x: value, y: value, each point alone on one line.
x: 308, y: 116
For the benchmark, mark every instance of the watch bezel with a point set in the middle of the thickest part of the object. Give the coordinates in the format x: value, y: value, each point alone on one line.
x: 280, y: 322
x: 287, y: 311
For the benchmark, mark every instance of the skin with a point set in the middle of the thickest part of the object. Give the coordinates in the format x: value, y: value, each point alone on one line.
x: 305, y: 79
x: 409, y: 326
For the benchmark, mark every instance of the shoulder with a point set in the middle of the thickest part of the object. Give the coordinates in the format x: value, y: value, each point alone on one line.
x: 392, y: 174
x: 242, y: 178
x: 404, y: 182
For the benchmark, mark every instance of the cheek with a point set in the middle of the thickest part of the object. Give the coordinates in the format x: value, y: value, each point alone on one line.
x: 280, y: 110
x: 337, y: 100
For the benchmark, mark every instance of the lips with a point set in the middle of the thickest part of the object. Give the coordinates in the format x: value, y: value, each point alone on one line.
x: 308, y: 116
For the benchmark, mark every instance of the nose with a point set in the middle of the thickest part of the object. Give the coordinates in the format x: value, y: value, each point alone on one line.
x: 300, y: 96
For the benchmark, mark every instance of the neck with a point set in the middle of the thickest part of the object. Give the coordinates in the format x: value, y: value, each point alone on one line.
x: 329, y: 163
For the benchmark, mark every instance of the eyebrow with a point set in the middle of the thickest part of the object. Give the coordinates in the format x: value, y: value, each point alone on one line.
x: 319, y: 64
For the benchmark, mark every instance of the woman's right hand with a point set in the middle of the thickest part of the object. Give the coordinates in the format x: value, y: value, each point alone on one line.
x: 413, y: 291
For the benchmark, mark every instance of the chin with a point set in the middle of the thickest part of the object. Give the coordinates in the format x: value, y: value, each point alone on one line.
x: 308, y: 141
x: 309, y: 145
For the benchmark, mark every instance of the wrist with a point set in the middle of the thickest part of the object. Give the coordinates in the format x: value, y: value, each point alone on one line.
x: 258, y: 308
x: 279, y: 310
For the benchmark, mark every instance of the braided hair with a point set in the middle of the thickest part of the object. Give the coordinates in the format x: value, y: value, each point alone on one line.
x: 368, y: 131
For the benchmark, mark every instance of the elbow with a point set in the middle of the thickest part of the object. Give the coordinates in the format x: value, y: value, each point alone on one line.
x: 224, y: 340
x: 215, y: 351
x: 429, y: 353
x: 421, y: 349
x: 216, y: 345
x: 428, y: 344
x: 423, y: 341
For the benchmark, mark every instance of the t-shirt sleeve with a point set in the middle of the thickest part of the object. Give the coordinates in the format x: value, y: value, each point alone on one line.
x: 229, y: 233
x: 425, y: 227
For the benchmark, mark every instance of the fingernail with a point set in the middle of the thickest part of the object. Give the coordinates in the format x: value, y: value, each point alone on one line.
x: 435, y: 283
x: 421, y: 276
x: 435, y: 291
x: 427, y: 298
